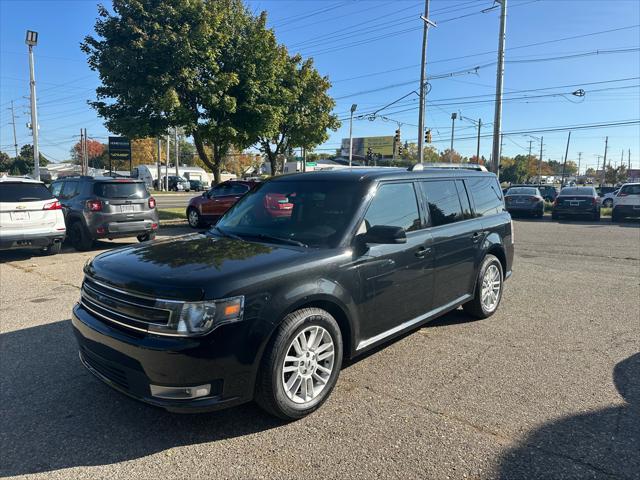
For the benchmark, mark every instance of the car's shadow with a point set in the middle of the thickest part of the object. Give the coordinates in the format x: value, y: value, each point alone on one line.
x: 55, y: 415
x: 603, y: 222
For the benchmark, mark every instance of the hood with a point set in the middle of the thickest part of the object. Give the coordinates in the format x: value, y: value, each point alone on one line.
x: 190, y: 267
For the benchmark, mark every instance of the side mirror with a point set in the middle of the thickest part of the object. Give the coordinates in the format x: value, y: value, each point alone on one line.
x: 384, y: 234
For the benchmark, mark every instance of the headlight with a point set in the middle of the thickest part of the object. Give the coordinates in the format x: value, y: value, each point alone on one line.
x: 198, y: 318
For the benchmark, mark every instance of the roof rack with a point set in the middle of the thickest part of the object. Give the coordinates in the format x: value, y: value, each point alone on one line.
x: 451, y: 166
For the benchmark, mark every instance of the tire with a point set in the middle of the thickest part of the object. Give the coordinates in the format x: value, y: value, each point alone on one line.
x: 145, y: 237
x: 614, y: 216
x: 596, y: 217
x: 194, y: 218
x: 52, y: 249
x: 79, y: 237
x: 554, y: 216
x: 490, y: 268
x: 608, y: 203
x: 271, y: 387
x: 540, y: 214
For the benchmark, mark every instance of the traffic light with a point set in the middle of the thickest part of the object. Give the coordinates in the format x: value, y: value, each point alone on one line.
x: 427, y: 136
x: 397, y: 137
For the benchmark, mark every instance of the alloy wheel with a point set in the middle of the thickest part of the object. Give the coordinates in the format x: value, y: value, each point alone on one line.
x: 308, y: 364
x: 491, y: 284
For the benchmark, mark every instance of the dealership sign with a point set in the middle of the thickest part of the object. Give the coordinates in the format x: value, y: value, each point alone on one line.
x: 119, y: 149
x: 382, y: 146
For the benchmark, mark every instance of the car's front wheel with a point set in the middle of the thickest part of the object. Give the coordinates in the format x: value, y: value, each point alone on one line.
x: 145, y: 237
x: 488, y: 289
x: 194, y: 218
x: 301, y: 364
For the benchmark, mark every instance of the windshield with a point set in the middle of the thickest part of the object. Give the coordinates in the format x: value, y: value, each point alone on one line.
x: 121, y: 190
x: 314, y: 213
x: 523, y: 191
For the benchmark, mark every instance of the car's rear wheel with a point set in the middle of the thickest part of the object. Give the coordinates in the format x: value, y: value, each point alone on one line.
x: 488, y: 289
x: 52, y: 249
x: 194, y: 218
x: 554, y: 216
x: 614, y: 216
x: 596, y: 216
x: 80, y: 238
x: 301, y: 364
x: 145, y: 237
x: 608, y: 203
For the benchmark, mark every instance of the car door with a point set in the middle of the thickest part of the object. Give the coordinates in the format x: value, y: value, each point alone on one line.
x: 456, y: 239
x: 396, y: 280
x: 209, y: 206
x: 228, y: 197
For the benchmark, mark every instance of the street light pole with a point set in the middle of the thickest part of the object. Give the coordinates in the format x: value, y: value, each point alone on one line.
x: 423, y: 77
x: 497, y: 121
x: 353, y: 109
x: 32, y: 41
x: 454, y: 115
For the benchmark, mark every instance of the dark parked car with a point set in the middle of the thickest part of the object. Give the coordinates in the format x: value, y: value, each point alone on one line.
x: 524, y: 200
x: 197, y: 185
x: 548, y: 192
x: 212, y: 204
x: 105, y: 207
x: 267, y: 307
x: 576, y: 201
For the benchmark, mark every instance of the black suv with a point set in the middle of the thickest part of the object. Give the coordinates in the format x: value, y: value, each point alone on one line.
x: 105, y: 207
x: 266, y: 307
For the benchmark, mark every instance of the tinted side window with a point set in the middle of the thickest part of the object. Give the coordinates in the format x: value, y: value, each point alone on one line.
x: 220, y: 190
x: 394, y: 205
x: 69, y: 190
x: 487, y: 195
x: 56, y: 188
x: 464, y: 200
x: 443, y: 201
x: 630, y: 190
x: 238, y: 189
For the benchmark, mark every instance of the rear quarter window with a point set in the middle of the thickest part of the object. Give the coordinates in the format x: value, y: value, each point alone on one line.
x: 630, y: 190
x: 23, y: 192
x: 487, y: 195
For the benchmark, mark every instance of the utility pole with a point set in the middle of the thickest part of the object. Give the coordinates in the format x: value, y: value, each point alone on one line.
x: 166, y: 167
x: 629, y: 158
x: 604, y: 163
x: 13, y: 122
x: 497, y: 121
x: 566, y: 154
x: 32, y: 41
x: 540, y: 161
x: 82, y: 151
x: 478, y: 147
x: 85, y: 158
x: 454, y: 115
x: 353, y: 109
x: 622, y: 158
x: 529, y: 156
x: 176, y: 148
x: 423, y: 79
x: 579, y: 161
x: 158, y: 184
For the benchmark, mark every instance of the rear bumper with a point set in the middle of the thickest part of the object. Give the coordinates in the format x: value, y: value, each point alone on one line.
x: 119, y: 225
x: 30, y: 240
x: 592, y: 210
x: 627, y: 210
x: 530, y: 207
x: 131, y: 362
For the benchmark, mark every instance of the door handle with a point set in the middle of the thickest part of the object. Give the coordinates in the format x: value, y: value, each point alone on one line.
x: 422, y: 252
x: 476, y: 236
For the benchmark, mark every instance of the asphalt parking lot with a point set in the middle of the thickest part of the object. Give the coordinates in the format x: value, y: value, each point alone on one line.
x: 549, y: 387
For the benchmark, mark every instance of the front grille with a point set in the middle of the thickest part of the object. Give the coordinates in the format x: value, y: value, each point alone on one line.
x: 122, y: 307
x: 104, y: 368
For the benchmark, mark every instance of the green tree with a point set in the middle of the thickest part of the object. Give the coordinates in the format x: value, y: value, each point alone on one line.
x: 301, y: 111
x: 5, y: 162
x: 514, y: 170
x: 207, y: 66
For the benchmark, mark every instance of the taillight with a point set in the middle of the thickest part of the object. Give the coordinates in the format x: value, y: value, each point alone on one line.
x: 52, y: 206
x: 94, y: 205
x: 594, y: 200
x: 555, y: 201
x: 152, y: 202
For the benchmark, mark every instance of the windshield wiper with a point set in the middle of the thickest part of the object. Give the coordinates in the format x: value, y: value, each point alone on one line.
x: 289, y: 241
x: 227, y: 234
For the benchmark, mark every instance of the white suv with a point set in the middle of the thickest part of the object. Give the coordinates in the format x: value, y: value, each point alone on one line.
x: 626, y: 203
x: 30, y: 216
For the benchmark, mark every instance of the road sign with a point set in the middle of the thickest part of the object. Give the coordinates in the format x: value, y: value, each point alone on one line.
x: 312, y: 164
x: 119, y: 149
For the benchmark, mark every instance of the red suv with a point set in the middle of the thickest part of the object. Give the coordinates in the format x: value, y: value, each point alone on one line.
x: 213, y: 203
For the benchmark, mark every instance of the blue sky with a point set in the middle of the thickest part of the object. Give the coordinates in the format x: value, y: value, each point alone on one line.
x: 371, y: 52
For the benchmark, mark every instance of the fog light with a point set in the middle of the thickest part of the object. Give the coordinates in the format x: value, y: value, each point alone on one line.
x: 180, y: 393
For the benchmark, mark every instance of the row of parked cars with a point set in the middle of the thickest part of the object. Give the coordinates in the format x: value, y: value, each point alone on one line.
x: 574, y: 201
x: 82, y: 209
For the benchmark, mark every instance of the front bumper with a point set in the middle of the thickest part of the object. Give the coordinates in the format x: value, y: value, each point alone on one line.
x: 131, y: 362
x: 30, y: 240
